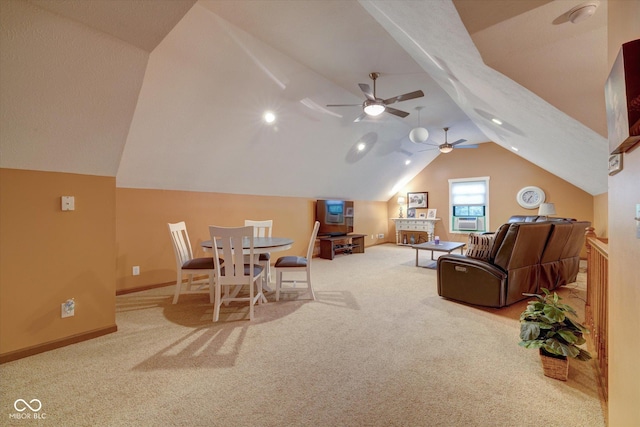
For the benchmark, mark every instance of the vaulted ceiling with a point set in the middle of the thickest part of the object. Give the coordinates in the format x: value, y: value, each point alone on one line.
x: 180, y: 105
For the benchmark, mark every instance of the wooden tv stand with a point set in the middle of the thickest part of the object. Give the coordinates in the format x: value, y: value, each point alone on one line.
x: 349, y: 243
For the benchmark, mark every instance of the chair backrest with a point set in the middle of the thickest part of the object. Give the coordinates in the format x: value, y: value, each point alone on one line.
x: 550, y: 261
x: 519, y: 256
x: 228, y: 244
x: 181, y: 244
x: 522, y: 245
x: 260, y: 228
x: 312, y: 242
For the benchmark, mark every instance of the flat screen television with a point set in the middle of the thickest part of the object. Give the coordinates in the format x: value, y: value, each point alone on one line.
x: 335, y: 217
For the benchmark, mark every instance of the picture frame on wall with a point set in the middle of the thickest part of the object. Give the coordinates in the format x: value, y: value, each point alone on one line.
x: 431, y: 213
x: 411, y: 213
x: 417, y: 200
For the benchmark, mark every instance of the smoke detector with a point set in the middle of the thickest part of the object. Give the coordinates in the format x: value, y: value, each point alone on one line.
x: 583, y: 11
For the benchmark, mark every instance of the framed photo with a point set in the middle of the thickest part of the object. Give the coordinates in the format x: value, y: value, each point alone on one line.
x: 615, y: 163
x: 431, y: 213
x: 422, y: 215
x: 417, y: 200
x: 411, y: 213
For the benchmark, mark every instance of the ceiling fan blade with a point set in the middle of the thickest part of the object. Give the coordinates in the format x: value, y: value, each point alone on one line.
x: 366, y: 89
x: 468, y: 146
x: 405, y: 97
x: 344, y: 105
x: 427, y: 149
x: 395, y: 112
x: 360, y: 117
x: 460, y: 141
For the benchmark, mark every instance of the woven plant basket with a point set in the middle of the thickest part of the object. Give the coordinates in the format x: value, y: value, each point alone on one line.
x: 556, y: 367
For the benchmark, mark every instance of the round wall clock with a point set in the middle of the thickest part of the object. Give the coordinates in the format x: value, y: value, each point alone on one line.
x: 530, y: 197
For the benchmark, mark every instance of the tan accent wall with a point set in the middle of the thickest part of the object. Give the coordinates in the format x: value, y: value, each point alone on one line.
x: 624, y: 251
x: 508, y: 173
x: 48, y: 256
x: 142, y: 235
x: 601, y: 215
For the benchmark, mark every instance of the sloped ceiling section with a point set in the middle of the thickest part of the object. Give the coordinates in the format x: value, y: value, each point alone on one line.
x: 563, y: 63
x: 78, y: 95
x: 542, y: 134
x: 198, y: 125
x: 70, y: 78
x: 142, y: 25
x: 198, y: 122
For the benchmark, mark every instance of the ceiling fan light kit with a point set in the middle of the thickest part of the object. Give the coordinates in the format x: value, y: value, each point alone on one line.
x: 445, y: 148
x: 373, y: 106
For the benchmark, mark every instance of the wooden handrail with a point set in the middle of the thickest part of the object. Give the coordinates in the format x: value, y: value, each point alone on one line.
x: 596, y: 314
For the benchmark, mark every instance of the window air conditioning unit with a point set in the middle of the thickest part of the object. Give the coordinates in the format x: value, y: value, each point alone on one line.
x: 467, y: 224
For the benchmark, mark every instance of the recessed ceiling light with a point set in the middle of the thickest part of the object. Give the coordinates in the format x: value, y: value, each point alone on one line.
x: 362, y: 146
x: 514, y: 148
x: 406, y: 162
x: 269, y: 117
x: 582, y: 12
x: 496, y: 121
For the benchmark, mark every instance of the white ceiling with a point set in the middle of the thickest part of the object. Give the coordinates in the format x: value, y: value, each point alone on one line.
x: 208, y: 80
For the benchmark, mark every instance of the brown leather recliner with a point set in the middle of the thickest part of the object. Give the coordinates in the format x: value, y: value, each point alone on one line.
x: 561, y: 258
x: 536, y: 218
x: 515, y: 263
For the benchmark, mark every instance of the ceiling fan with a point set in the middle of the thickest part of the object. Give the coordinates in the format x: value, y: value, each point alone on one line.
x: 374, y: 106
x: 447, y: 147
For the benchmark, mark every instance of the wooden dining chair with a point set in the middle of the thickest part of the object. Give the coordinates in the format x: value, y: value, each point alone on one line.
x: 186, y: 264
x: 296, y: 264
x: 235, y: 273
x: 262, y: 229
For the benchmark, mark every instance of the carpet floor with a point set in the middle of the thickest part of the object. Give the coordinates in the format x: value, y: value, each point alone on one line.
x: 378, y: 347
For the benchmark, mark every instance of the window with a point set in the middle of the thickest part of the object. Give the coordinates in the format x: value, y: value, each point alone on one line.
x: 469, y: 204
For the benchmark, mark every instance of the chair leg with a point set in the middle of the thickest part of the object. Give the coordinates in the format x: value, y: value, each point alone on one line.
x: 278, y: 283
x: 252, y: 290
x: 216, y: 302
x: 263, y: 299
x: 311, y: 294
x: 267, y: 272
x: 189, y: 282
x: 212, y: 290
x: 178, y: 286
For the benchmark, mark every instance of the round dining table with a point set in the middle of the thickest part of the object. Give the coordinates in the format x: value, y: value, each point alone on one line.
x: 261, y: 245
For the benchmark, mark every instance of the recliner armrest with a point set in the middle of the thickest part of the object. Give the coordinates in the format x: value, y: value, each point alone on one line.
x: 471, y: 280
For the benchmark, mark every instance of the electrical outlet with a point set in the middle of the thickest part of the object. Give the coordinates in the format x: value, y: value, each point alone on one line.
x: 136, y: 270
x: 68, y: 203
x: 68, y: 308
x: 380, y: 236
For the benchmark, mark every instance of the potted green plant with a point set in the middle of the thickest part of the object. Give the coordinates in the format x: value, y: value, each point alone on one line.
x: 546, y: 325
